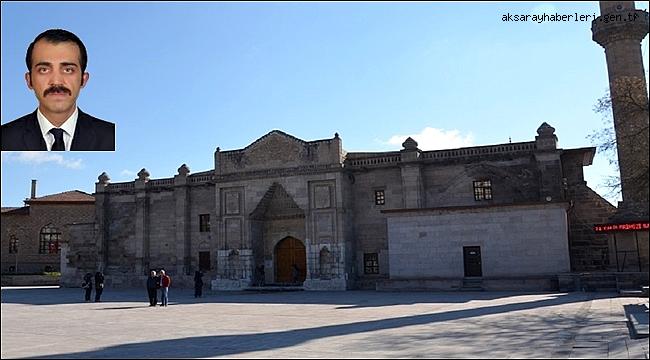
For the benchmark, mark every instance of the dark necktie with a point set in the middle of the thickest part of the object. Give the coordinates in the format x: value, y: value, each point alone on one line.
x: 58, y: 145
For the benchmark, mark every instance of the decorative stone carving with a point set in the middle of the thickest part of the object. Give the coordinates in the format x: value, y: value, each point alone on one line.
x: 545, y: 130
x: 103, y: 178
x: 546, y: 140
x: 322, y: 197
x: 232, y: 202
x: 184, y: 170
x: 410, y: 144
x: 325, y: 259
x: 143, y: 175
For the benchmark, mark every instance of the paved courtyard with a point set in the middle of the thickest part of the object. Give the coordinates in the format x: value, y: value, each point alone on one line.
x: 56, y: 323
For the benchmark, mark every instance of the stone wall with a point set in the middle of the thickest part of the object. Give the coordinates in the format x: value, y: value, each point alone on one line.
x: 513, y: 180
x: 369, y: 223
x: 514, y: 241
x: 79, y: 254
x: 589, y: 251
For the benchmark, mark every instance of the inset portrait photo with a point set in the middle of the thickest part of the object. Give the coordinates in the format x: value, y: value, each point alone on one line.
x: 56, y: 72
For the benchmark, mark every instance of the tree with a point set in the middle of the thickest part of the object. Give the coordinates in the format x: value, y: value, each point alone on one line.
x: 627, y: 103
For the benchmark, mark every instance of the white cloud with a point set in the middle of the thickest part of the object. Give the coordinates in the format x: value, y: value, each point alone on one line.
x: 41, y: 157
x: 128, y: 173
x: 435, y: 139
x: 544, y: 8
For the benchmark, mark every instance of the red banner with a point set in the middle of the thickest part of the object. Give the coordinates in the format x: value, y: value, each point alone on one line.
x: 634, y: 226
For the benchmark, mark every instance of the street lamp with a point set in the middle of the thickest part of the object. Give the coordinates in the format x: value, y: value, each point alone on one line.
x: 16, y: 255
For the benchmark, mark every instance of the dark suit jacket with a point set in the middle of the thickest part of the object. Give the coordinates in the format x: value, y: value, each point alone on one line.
x: 90, y: 134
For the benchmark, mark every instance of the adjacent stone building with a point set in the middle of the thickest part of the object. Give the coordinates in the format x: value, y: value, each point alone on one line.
x: 33, y: 235
x: 287, y: 211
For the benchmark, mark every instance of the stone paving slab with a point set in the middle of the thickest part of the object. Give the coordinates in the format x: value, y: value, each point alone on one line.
x: 56, y: 323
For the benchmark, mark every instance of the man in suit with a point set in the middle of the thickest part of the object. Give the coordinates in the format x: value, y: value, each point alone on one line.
x: 56, y: 62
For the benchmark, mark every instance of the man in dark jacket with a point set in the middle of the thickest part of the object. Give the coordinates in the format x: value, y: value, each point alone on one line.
x: 152, y: 288
x: 87, y: 285
x: 198, y: 284
x: 99, y: 285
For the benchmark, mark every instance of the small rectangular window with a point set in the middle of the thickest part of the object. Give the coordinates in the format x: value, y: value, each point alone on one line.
x: 380, y: 197
x: 371, y: 263
x: 482, y: 190
x: 204, y: 222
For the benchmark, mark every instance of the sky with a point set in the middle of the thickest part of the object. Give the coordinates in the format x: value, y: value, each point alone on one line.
x: 181, y: 79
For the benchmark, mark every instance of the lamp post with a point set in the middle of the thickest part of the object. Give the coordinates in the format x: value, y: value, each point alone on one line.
x: 16, y: 255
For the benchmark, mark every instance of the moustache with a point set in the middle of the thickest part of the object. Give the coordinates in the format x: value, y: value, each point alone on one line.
x: 57, y: 89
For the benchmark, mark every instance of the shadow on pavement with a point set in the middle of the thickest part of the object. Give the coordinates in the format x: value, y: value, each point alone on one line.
x: 345, y: 300
x: 224, y: 345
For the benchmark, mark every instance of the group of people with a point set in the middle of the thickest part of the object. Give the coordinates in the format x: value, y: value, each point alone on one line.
x: 87, y: 286
x: 157, y: 281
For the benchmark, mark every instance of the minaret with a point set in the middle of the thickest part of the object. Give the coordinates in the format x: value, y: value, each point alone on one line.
x: 619, y: 30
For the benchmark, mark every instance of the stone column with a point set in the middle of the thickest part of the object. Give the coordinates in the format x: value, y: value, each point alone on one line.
x: 101, y: 212
x: 142, y: 253
x: 412, y: 184
x: 183, y: 221
x: 548, y: 163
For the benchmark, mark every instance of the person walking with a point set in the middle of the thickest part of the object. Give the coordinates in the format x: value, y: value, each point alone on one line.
x: 152, y: 288
x: 87, y: 285
x: 295, y: 274
x: 198, y: 284
x: 165, y: 281
x: 99, y: 285
x: 260, y: 275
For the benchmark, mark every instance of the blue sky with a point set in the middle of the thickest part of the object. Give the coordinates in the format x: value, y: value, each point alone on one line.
x: 180, y: 79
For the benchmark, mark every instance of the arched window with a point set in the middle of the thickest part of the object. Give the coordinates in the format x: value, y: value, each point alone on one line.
x: 49, y: 240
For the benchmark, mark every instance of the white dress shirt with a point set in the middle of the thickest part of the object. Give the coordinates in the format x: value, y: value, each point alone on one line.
x: 68, y: 129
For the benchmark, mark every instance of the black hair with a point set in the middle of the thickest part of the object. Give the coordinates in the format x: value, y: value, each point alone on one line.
x: 56, y: 36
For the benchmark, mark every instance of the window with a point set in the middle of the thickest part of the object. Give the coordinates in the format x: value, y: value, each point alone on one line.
x: 204, y: 222
x: 49, y: 240
x: 13, y: 244
x: 371, y: 263
x: 482, y: 190
x: 380, y: 197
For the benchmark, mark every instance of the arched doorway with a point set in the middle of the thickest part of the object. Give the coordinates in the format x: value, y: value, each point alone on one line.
x: 290, y: 261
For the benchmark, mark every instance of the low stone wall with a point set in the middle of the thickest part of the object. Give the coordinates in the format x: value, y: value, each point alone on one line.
x: 542, y: 283
x: 419, y: 285
x: 29, y: 280
x: 602, y: 281
x: 527, y: 283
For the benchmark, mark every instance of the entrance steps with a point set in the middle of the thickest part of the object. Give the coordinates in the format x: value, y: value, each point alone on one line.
x: 275, y: 288
x: 472, y: 284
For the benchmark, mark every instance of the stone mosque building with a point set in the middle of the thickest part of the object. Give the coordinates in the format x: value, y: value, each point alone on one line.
x: 286, y: 211
x: 309, y: 213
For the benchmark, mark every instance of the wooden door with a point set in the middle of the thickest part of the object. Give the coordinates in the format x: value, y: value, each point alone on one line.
x: 472, y: 259
x: 290, y: 261
x: 204, y: 261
